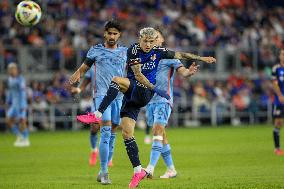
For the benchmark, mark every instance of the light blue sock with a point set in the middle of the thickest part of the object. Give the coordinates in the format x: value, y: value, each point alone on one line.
x: 15, y: 130
x: 104, y: 147
x: 111, y: 145
x: 157, y: 147
x: 93, y: 140
x: 167, y: 156
x: 25, y: 133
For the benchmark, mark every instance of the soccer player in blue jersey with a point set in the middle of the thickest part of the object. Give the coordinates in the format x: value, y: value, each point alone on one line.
x: 17, y: 101
x: 158, y: 110
x: 109, y: 60
x: 278, y: 107
x: 138, y: 88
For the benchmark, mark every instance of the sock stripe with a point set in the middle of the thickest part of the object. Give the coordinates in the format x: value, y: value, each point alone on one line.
x: 167, y: 153
x: 114, y: 85
x: 157, y: 148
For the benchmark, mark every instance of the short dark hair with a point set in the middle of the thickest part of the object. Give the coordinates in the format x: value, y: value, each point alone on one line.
x: 113, y: 24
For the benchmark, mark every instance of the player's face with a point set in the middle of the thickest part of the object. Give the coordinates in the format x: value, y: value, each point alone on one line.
x: 13, y: 71
x: 111, y: 36
x: 281, y: 57
x: 160, y: 39
x: 147, y: 43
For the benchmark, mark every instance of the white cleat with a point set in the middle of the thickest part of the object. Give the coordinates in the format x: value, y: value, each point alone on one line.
x: 169, y: 174
x: 150, y: 171
x: 22, y: 142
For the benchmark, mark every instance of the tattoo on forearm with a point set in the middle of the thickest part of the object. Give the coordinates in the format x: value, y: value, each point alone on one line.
x: 186, y: 56
x: 140, y: 77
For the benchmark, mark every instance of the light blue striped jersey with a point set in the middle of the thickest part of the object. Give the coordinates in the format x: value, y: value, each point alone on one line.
x: 108, y: 63
x: 17, y: 95
x: 165, y: 79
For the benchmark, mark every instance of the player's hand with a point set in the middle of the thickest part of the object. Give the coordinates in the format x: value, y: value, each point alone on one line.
x: 162, y: 93
x: 209, y: 59
x: 193, y: 68
x: 75, y: 78
x: 75, y: 90
x: 281, y: 99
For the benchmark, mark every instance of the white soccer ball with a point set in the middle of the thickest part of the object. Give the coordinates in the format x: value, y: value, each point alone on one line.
x: 28, y: 13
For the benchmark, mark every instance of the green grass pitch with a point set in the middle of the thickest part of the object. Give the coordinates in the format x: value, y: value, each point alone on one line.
x: 224, y: 157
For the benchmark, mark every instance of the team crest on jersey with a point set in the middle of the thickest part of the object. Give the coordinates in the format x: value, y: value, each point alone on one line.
x: 153, y: 57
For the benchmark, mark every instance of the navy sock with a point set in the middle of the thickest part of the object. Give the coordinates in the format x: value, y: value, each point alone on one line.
x: 276, y: 137
x: 110, y: 96
x: 132, y: 151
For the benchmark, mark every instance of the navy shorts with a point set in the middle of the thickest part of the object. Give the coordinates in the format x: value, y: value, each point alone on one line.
x: 278, y: 111
x: 136, y: 97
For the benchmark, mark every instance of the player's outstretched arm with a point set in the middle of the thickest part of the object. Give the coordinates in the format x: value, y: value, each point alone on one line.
x: 187, y: 72
x: 76, y: 76
x: 189, y: 56
x: 140, y: 77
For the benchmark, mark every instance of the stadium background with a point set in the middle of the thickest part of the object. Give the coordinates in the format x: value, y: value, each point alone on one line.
x: 244, y: 36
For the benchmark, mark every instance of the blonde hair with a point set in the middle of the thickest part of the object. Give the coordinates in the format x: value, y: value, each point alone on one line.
x: 12, y: 65
x: 148, y: 32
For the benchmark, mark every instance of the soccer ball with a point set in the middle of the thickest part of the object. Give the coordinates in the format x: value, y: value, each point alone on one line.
x: 28, y: 13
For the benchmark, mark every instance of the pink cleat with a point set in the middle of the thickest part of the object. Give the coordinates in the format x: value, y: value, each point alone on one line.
x: 88, y: 118
x: 136, y: 178
x: 93, y: 158
x: 110, y: 164
x: 279, y: 152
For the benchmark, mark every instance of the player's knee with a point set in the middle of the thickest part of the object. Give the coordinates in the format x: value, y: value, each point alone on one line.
x: 278, y: 123
x: 127, y: 133
x: 158, y: 130
x: 95, y: 128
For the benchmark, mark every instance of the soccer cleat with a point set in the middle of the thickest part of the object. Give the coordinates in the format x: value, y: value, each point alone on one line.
x: 169, y: 174
x: 88, y: 118
x: 99, y: 177
x: 105, y: 179
x: 136, y: 178
x: 147, y: 139
x: 22, y: 142
x: 150, y: 171
x: 110, y: 164
x: 93, y: 157
x: 279, y: 152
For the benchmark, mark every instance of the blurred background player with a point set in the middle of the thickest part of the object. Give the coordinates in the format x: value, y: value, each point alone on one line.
x: 138, y: 88
x: 159, y: 109
x: 278, y: 108
x: 17, y: 102
x: 109, y: 60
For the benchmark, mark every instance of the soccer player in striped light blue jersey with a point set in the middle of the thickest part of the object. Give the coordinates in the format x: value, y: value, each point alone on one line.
x: 109, y: 60
x: 17, y: 102
x: 158, y: 110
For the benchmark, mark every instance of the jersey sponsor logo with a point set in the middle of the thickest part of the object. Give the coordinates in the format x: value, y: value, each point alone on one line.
x: 153, y: 57
x: 149, y: 65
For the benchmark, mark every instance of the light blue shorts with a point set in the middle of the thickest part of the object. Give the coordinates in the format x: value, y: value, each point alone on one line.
x: 17, y: 113
x: 158, y: 113
x: 112, y: 113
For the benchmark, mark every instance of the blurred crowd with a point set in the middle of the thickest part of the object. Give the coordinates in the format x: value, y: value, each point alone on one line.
x: 192, y: 95
x: 229, y: 24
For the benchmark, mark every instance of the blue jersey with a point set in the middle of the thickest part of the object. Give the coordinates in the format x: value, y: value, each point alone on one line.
x: 17, y: 95
x: 278, y: 74
x: 165, y: 75
x: 108, y: 63
x: 149, y: 61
